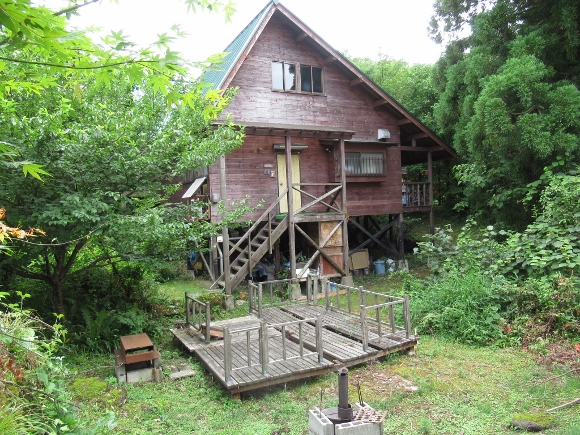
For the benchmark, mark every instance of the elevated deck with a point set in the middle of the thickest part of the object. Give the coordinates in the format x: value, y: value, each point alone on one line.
x: 290, y: 341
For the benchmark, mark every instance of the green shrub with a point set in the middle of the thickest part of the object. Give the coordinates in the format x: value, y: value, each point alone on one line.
x: 462, y: 306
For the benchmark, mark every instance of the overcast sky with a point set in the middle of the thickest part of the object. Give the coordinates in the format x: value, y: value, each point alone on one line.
x: 363, y: 28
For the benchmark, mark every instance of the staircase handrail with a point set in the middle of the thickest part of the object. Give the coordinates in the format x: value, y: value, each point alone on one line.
x: 258, y: 221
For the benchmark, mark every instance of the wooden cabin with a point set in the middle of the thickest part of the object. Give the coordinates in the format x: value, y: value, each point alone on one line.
x: 317, y: 127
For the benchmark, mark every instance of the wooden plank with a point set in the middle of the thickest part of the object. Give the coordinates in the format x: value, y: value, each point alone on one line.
x: 335, y: 346
x: 349, y: 325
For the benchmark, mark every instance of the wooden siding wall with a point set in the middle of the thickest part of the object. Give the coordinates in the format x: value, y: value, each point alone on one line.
x: 343, y: 106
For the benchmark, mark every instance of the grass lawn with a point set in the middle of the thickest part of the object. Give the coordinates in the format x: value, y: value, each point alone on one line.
x: 444, y: 388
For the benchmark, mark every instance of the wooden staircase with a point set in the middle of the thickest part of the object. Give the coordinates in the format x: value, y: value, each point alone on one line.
x: 252, y: 246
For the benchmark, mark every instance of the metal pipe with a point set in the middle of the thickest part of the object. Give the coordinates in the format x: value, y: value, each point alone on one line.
x: 343, y: 388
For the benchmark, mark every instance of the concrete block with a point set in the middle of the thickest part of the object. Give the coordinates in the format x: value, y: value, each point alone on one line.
x: 142, y: 375
x: 318, y: 424
x: 358, y: 428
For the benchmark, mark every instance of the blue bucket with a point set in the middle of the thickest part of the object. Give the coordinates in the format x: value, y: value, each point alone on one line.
x: 379, y: 267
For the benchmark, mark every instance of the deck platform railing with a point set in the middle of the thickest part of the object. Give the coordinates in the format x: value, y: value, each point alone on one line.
x: 269, y: 294
x: 197, y: 314
x: 381, y: 311
x: 264, y: 355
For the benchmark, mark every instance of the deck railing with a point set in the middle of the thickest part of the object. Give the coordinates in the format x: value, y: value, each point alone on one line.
x: 264, y: 355
x: 195, y: 313
x: 375, y: 309
x: 327, y: 199
x: 416, y: 194
x: 269, y: 294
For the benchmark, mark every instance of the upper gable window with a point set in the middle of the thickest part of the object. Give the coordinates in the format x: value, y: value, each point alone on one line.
x: 311, y: 79
x: 285, y: 78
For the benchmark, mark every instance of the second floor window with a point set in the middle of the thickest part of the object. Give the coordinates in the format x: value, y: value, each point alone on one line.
x: 364, y: 165
x: 285, y: 77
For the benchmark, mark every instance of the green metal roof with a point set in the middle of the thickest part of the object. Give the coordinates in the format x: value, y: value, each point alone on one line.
x: 217, y: 77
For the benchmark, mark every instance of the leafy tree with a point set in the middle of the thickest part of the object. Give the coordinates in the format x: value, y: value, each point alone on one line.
x: 411, y: 85
x: 112, y: 156
x: 113, y: 126
x: 509, y: 96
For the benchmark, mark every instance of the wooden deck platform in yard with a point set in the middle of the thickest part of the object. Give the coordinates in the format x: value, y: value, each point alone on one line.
x: 294, y: 341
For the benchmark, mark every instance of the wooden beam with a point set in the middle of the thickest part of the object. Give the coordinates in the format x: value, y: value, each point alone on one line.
x: 356, y: 82
x: 301, y: 37
x: 373, y: 238
x: 404, y: 121
x: 329, y: 60
x: 430, y: 175
x: 421, y: 149
x: 324, y: 254
x: 380, y: 103
x: 415, y: 136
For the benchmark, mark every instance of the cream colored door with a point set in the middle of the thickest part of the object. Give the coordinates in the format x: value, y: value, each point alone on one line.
x: 296, y: 197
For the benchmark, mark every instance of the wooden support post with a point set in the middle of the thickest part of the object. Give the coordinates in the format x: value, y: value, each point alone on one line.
x: 277, y: 259
x: 264, y: 357
x: 225, y: 232
x: 290, y: 198
x: 326, y: 286
x: 430, y: 175
x: 215, y: 260
x: 344, y: 209
x: 407, y: 315
x: 308, y: 288
x: 401, y: 238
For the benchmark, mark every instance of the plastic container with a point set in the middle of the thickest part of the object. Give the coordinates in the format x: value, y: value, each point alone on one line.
x: 379, y: 267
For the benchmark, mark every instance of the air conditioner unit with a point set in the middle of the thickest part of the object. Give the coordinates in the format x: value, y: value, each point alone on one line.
x: 383, y: 134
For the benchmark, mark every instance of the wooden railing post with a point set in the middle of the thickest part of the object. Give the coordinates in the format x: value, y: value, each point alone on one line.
x: 308, y: 288
x: 207, y: 321
x: 250, y: 296
x: 392, y: 318
x: 227, y: 354
x: 407, y: 315
x: 186, y: 309
x: 249, y: 347
x: 326, y: 285
x: 364, y: 328
x: 361, y: 296
x: 260, y: 300
x: 264, y: 357
x: 378, y: 316
x: 319, y: 349
x: 348, y: 303
x: 315, y: 289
